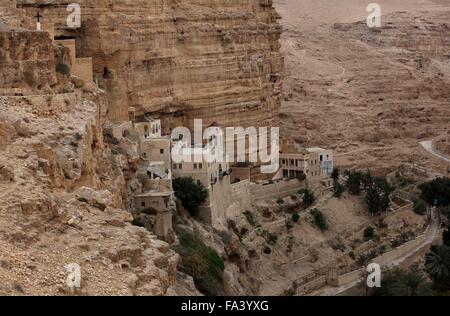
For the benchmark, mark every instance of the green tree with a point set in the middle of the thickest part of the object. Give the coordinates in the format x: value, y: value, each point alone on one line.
x: 191, y: 193
x: 437, y: 265
x: 445, y: 210
x: 446, y: 237
x: 308, y: 198
x: 437, y: 190
x: 354, y: 182
x: 420, y: 207
x: 373, y: 199
x: 63, y: 69
x: 407, y: 284
x: 386, y: 191
x: 378, y: 197
x: 319, y: 219
x: 338, y: 188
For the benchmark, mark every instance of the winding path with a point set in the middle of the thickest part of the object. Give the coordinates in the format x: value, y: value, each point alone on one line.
x: 428, y: 146
x: 390, y: 259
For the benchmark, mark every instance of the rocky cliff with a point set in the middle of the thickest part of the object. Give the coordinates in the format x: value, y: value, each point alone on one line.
x: 215, y: 60
x: 62, y: 185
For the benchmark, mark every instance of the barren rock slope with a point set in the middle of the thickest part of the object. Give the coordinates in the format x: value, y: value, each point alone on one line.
x: 62, y: 187
x: 372, y: 95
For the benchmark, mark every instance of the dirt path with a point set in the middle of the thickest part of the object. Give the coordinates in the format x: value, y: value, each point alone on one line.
x: 431, y: 234
x: 428, y: 146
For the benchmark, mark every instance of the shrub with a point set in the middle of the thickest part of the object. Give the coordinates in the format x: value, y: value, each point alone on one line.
x: 319, y: 219
x: 294, y: 197
x: 63, y: 69
x: 271, y: 238
x: 420, y: 207
x: 191, y: 194
x: 250, y: 218
x: 289, y: 224
x: 280, y: 201
x: 267, y: 250
x: 369, y: 233
x: 295, y: 217
x: 201, y: 262
x: 382, y: 224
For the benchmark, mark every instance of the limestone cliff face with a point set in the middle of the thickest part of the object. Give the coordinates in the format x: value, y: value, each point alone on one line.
x: 216, y: 60
x: 62, y: 187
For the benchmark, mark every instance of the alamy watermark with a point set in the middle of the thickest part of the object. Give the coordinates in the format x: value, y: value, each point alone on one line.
x: 74, y: 18
x: 373, y: 276
x: 374, y: 18
x: 228, y: 145
x: 73, y: 280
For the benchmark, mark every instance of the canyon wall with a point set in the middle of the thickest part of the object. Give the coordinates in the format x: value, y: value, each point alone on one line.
x: 63, y: 184
x: 215, y: 60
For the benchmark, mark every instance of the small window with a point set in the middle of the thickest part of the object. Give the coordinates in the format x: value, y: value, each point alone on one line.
x: 175, y: 166
x: 180, y: 166
x: 143, y: 204
x: 161, y: 151
x: 195, y: 166
x: 200, y: 166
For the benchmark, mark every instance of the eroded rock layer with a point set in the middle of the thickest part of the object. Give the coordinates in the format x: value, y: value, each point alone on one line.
x: 63, y: 187
x: 215, y: 60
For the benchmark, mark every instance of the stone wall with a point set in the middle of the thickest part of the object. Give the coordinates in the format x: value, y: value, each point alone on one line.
x: 27, y: 59
x: 275, y: 190
x: 240, y: 199
x: 80, y: 67
x: 240, y: 174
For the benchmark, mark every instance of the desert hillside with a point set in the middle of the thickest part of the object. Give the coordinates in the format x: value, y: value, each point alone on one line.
x: 372, y: 95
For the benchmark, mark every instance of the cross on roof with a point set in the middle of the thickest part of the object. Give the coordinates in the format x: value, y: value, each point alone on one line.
x: 38, y: 16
